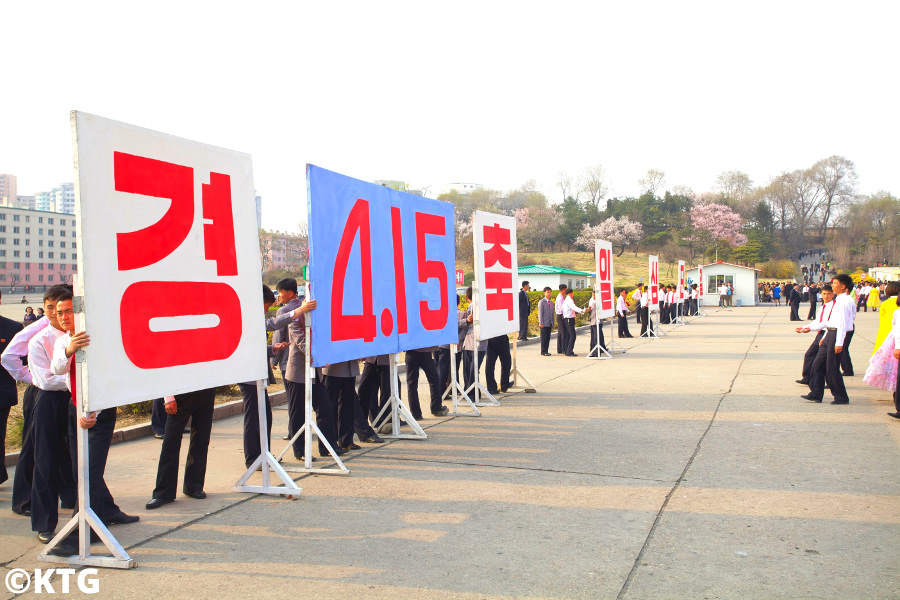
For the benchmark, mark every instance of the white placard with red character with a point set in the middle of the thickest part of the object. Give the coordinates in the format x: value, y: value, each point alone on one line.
x: 603, y: 267
x: 681, y: 280
x: 699, y: 281
x: 168, y: 262
x: 654, y: 283
x: 496, y: 269
x: 460, y: 277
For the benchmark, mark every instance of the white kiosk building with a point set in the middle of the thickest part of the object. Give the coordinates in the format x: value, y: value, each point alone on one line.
x: 744, y: 279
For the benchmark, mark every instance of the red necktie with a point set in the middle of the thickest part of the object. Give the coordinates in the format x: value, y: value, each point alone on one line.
x: 72, y: 380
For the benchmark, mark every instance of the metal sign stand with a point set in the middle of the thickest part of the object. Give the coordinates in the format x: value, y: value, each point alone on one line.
x: 680, y: 316
x: 85, y: 519
x: 516, y: 372
x: 266, y: 462
x: 457, y: 389
x: 476, y: 388
x: 391, y: 419
x: 598, y: 348
x: 652, y: 332
x: 700, y: 312
x: 310, y: 427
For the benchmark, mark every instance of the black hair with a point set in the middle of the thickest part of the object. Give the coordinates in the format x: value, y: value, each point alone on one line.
x: 65, y: 296
x: 288, y: 284
x: 469, y: 293
x: 268, y: 295
x: 846, y: 280
x: 457, y: 300
x: 524, y: 283
x: 56, y: 291
x: 827, y: 288
x: 548, y: 288
x: 562, y: 286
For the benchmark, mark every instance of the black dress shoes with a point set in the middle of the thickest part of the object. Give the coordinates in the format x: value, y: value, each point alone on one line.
x: 25, y: 512
x: 44, y: 537
x: 440, y: 413
x: 546, y: 354
x: 840, y: 402
x: 571, y: 354
x: 811, y: 398
x: 201, y: 495
x: 122, y: 519
x: 350, y: 446
x: 896, y: 415
x: 373, y: 439
x: 157, y: 502
x: 803, y: 381
x: 338, y: 450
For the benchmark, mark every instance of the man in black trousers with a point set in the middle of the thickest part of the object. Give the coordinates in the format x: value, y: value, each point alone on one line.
x: 524, y: 311
x: 497, y: 347
x: 794, y: 301
x: 546, y: 311
x: 198, y: 407
x: 9, y: 394
x: 560, y: 320
x: 622, y: 313
x: 813, y: 300
x: 819, y: 327
x: 422, y: 359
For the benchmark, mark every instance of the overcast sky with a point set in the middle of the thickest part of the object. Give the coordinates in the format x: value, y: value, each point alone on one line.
x: 487, y: 92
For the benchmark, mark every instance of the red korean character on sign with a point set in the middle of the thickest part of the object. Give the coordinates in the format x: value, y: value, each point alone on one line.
x: 496, y: 282
x: 604, y: 278
x: 142, y: 302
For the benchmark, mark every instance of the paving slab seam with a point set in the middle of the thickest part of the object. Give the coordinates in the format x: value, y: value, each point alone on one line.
x: 532, y: 469
x: 687, y: 466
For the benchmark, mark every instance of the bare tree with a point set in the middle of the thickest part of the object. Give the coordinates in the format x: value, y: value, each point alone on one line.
x: 652, y: 181
x: 565, y: 186
x: 684, y: 190
x: 836, y: 179
x: 734, y: 185
x: 593, y: 185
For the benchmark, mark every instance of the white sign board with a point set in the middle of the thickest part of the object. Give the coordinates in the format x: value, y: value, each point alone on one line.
x: 603, y: 267
x: 654, y: 283
x: 681, y: 280
x: 168, y: 262
x: 496, y: 268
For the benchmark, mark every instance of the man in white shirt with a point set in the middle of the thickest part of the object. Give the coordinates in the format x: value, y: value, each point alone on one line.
x: 622, y: 314
x: 646, y: 323
x: 817, y: 325
x: 14, y: 359
x: 832, y: 345
x: 723, y: 293
x: 560, y: 327
x: 101, y: 425
x: 569, y: 312
x: 50, y: 428
x: 695, y: 296
x: 846, y: 363
x: 636, y: 295
x: 596, y: 328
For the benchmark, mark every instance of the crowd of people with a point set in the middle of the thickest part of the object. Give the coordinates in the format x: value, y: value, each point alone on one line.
x: 832, y: 316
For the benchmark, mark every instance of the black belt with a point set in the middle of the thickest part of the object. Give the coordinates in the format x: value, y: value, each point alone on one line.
x: 831, y: 328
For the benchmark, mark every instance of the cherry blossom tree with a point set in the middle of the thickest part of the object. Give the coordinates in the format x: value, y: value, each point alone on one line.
x: 715, y: 224
x: 621, y: 232
x: 537, y: 225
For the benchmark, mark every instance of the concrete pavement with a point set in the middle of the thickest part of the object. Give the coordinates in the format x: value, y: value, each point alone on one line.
x: 687, y: 468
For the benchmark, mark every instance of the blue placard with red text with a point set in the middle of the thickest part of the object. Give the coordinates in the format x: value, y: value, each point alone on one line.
x: 381, y: 268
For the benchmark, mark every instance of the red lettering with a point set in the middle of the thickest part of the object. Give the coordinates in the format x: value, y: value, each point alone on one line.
x: 428, y: 224
x: 146, y: 300
x: 606, y: 294
x: 149, y: 177
x: 353, y: 327
x: 603, y: 264
x: 494, y: 235
x: 399, y: 276
x: 218, y: 236
x: 498, y: 299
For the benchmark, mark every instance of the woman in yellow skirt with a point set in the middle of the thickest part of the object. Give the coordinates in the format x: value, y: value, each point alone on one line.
x: 886, y: 313
x: 874, y: 300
